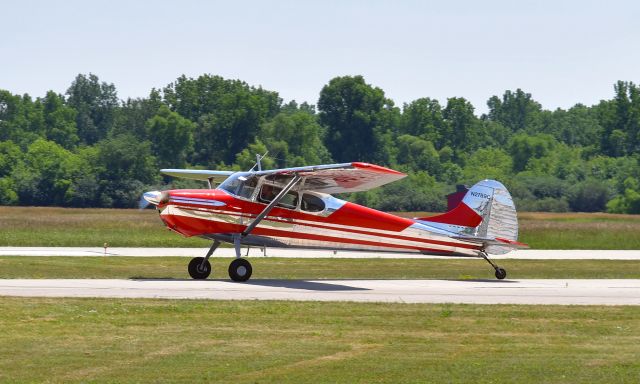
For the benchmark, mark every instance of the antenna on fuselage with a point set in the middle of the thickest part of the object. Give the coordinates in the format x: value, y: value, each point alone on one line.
x: 259, y: 161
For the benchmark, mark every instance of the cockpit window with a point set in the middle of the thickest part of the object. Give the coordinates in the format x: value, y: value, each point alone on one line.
x: 311, y: 203
x: 269, y: 192
x: 241, y: 184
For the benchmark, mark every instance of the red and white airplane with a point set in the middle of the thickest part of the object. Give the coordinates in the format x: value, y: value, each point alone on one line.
x: 293, y: 208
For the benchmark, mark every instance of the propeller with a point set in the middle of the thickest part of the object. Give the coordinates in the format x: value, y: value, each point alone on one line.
x: 143, y: 203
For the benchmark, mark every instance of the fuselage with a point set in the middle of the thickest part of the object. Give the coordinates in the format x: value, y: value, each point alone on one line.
x: 305, y: 220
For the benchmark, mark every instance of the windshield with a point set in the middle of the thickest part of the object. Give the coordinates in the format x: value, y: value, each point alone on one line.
x: 241, y: 184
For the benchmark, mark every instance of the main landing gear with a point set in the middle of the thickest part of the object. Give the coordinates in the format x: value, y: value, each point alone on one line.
x: 501, y: 273
x: 239, y: 269
x: 200, y: 267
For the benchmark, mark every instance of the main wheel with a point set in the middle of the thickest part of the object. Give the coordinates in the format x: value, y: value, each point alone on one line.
x: 500, y: 273
x: 197, y: 270
x: 240, y: 270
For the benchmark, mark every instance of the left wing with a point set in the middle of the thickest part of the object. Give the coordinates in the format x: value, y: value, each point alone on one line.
x: 198, y: 174
x: 340, y: 178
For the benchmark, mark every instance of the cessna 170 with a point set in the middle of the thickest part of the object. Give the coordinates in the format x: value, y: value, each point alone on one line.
x: 293, y: 208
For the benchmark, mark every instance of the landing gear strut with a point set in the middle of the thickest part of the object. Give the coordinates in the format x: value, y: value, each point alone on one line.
x: 239, y: 269
x: 500, y: 272
x: 200, y: 267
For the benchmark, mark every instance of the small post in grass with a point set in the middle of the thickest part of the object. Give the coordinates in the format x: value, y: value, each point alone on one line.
x: 105, y: 248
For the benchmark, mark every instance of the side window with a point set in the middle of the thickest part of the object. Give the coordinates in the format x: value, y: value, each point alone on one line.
x: 269, y: 192
x: 248, y: 187
x: 311, y: 203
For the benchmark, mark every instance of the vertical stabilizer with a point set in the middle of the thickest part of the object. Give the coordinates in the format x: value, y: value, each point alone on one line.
x: 487, y: 211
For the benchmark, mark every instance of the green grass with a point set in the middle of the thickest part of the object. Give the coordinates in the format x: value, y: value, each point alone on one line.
x: 73, y: 227
x: 92, y: 227
x: 580, y: 231
x: 12, y: 267
x: 131, y: 341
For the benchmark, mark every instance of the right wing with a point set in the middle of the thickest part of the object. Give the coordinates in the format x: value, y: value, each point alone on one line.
x: 340, y: 178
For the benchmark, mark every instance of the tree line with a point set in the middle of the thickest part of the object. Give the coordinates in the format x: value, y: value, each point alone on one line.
x: 88, y: 148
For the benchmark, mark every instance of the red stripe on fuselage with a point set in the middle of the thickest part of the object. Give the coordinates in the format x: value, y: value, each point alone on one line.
x: 379, y: 234
x: 191, y: 226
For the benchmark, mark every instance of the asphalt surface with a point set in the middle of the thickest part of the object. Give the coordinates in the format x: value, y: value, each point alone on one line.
x: 569, y: 292
x: 275, y: 252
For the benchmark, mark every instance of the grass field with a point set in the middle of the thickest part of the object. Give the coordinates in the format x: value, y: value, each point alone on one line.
x: 72, y: 227
x: 91, y: 227
x: 13, y: 267
x: 130, y: 341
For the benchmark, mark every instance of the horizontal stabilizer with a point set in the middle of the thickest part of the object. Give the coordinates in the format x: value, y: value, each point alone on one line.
x: 498, y: 241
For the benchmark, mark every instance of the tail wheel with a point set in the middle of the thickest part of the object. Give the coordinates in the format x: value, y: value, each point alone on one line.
x: 199, y: 268
x: 240, y: 270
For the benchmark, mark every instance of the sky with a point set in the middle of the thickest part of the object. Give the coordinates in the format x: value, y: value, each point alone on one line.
x: 562, y: 52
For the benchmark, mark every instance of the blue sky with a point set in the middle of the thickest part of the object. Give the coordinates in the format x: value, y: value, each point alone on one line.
x: 563, y: 52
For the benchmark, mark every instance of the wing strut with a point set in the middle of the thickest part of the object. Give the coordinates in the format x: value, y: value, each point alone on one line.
x: 272, y: 204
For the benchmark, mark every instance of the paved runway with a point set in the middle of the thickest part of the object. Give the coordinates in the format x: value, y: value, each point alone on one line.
x: 583, y: 292
x: 274, y: 252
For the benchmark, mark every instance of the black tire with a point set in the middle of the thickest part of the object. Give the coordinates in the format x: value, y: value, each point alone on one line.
x: 197, y: 270
x: 240, y: 270
x: 500, y: 273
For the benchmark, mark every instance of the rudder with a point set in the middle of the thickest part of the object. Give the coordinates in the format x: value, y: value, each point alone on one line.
x: 486, y: 212
x: 492, y: 201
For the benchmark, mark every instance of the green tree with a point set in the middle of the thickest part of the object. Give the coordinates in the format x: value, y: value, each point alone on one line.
x: 125, y: 166
x: 524, y: 147
x: 418, y: 154
x: 488, y: 163
x: 423, y: 118
x: 228, y: 114
x: 96, y: 103
x: 464, y: 126
x: 133, y: 114
x: 620, y: 118
x: 246, y: 159
x: 589, y: 196
x: 59, y: 120
x: 516, y: 111
x: 171, y: 137
x: 295, y: 138
x: 45, y: 174
x: 10, y: 155
x: 629, y: 201
x: 352, y: 111
x: 577, y: 126
x: 21, y: 119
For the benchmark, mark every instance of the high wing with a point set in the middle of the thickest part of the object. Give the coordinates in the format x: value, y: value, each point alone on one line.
x: 198, y: 174
x: 327, y: 178
x: 340, y: 178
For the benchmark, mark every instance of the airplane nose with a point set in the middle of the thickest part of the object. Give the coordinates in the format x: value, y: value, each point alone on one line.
x: 153, y: 197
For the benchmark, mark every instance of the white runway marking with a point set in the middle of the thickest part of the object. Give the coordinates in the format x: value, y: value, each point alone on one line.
x: 532, y: 254
x: 582, y: 292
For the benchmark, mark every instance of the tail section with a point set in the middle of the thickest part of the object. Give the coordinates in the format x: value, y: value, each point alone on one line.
x: 486, y: 214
